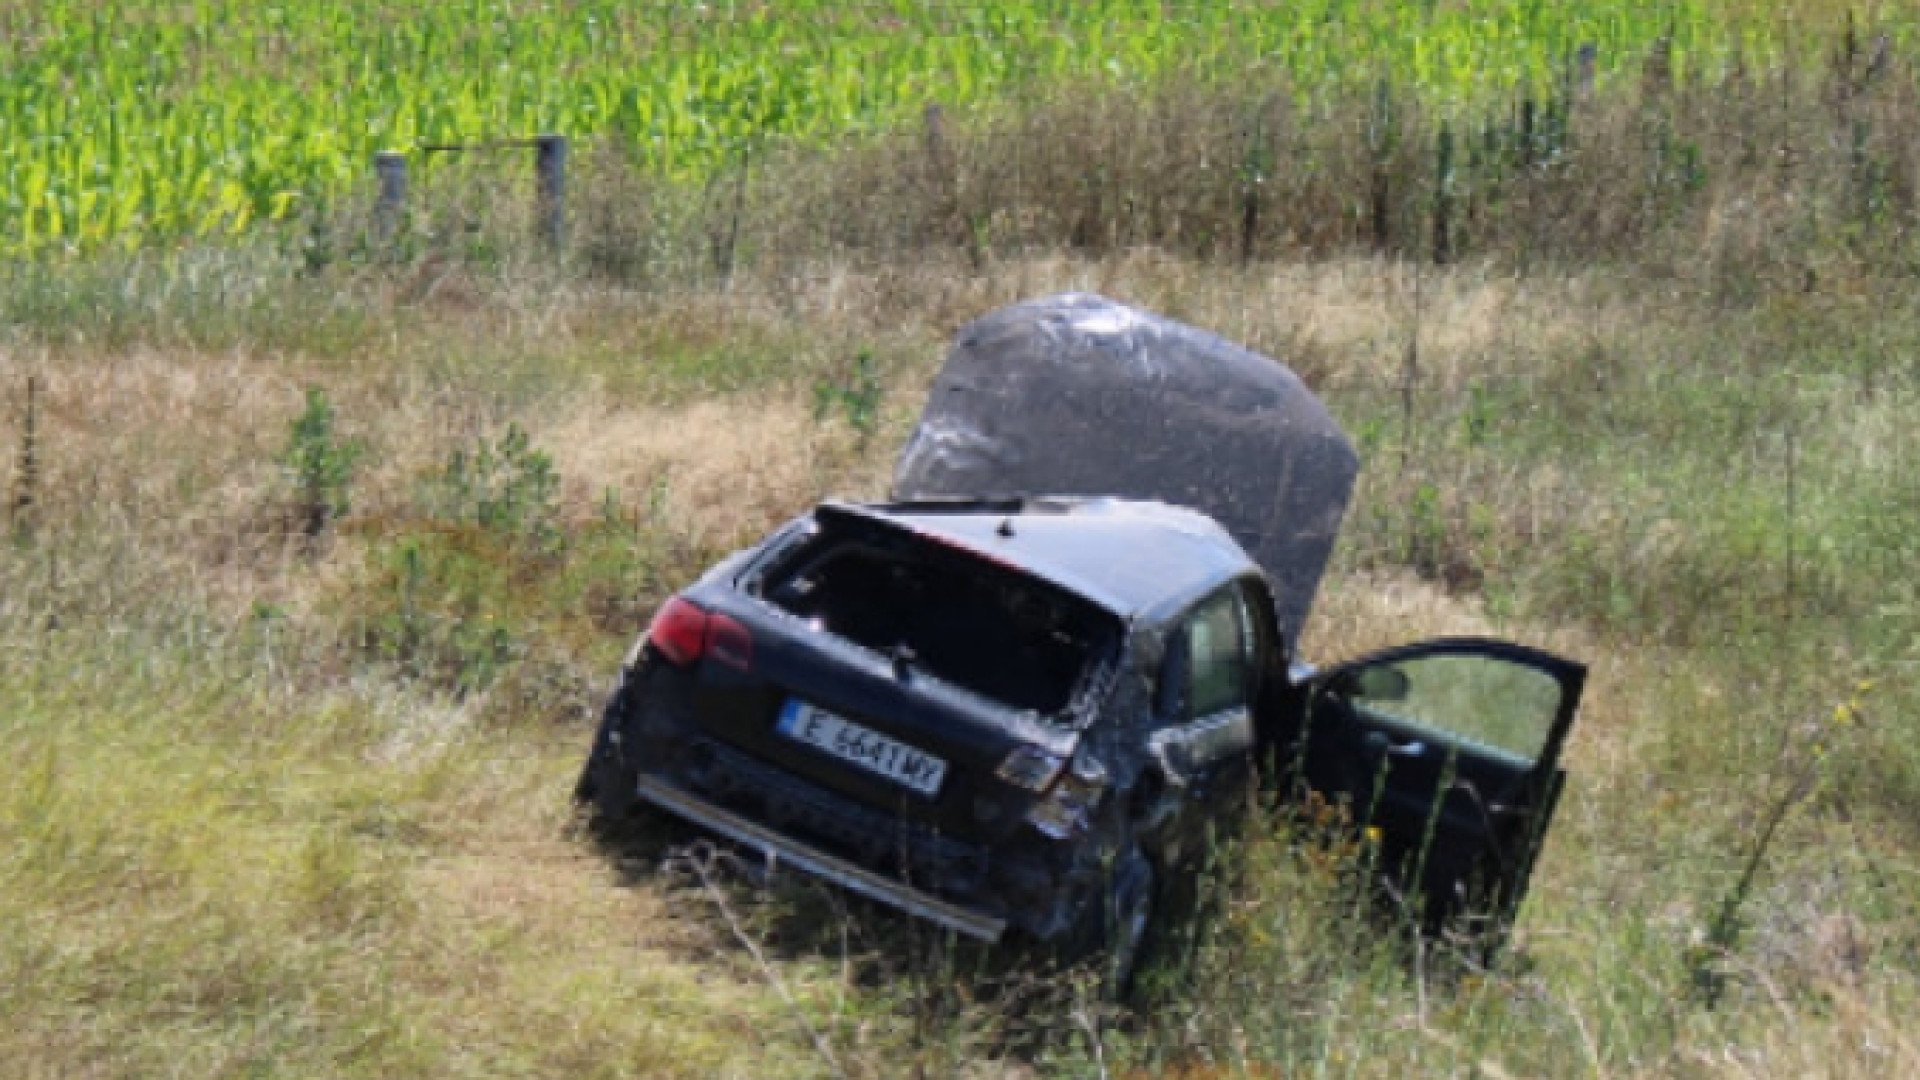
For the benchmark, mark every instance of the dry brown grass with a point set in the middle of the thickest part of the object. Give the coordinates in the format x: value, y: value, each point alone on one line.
x: 721, y: 472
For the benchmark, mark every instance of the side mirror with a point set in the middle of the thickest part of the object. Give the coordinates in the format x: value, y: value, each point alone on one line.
x: 1377, y: 682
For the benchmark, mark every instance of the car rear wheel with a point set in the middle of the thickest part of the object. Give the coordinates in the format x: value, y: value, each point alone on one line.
x: 607, y: 780
x: 1129, y: 911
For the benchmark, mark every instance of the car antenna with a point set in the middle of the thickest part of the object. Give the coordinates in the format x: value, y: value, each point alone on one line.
x: 1006, y: 526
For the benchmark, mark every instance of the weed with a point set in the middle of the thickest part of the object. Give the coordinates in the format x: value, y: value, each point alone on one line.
x: 856, y: 397
x: 1480, y: 419
x: 1802, y: 762
x: 26, y: 481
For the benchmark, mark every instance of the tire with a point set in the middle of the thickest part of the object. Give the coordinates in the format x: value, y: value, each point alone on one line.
x: 607, y: 780
x: 1128, y: 918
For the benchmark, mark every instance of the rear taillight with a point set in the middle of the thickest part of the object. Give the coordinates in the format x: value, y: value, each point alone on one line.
x: 684, y: 633
x: 679, y: 631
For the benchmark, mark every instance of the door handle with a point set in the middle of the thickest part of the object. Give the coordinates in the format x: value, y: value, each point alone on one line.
x: 1382, y: 745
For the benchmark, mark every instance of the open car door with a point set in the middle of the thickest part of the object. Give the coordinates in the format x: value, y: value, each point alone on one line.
x: 1450, y: 749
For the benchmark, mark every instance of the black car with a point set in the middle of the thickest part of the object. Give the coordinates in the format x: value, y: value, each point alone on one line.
x: 1020, y: 695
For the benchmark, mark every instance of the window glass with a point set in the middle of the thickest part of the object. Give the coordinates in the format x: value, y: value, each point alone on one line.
x: 1217, y: 649
x: 1479, y: 700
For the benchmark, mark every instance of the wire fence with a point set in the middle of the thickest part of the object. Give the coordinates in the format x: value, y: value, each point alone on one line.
x: 1236, y: 175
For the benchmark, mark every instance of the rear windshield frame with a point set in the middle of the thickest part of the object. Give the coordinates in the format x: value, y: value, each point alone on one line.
x: 815, y: 544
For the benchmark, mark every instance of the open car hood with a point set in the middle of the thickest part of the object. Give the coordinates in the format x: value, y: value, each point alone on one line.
x: 1081, y: 395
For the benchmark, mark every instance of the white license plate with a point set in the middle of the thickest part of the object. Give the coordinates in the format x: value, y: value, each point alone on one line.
x: 865, y: 747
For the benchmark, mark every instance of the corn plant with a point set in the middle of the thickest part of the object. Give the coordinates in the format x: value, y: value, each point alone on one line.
x: 125, y: 123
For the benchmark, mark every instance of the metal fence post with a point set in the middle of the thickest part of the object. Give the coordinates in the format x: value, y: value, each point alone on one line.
x: 391, y: 167
x: 550, y: 165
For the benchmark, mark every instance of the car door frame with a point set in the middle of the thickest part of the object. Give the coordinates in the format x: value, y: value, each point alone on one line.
x: 1539, y: 785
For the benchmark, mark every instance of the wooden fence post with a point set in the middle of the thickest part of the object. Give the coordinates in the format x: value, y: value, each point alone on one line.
x: 550, y: 166
x: 391, y: 167
x: 1585, y: 60
x: 1529, y: 133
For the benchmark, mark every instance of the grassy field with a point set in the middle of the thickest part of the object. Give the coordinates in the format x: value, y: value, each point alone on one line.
x: 320, y: 557
x: 124, y: 122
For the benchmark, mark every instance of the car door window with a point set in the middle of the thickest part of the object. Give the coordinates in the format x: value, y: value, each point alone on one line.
x: 1207, y: 684
x: 1209, y: 667
x: 1481, y: 702
x: 1219, y: 656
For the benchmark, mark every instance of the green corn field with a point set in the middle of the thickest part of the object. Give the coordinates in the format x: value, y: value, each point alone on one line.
x: 136, y: 122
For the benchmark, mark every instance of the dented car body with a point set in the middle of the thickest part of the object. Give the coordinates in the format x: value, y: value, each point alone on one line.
x: 1021, y: 694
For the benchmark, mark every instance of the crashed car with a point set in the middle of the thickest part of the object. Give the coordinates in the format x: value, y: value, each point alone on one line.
x: 1020, y: 695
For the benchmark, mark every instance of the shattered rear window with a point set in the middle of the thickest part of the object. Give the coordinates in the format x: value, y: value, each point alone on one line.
x: 964, y: 619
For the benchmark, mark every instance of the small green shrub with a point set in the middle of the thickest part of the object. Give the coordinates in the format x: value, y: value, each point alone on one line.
x: 506, y: 487
x: 320, y: 464
x: 440, y: 614
x: 488, y: 588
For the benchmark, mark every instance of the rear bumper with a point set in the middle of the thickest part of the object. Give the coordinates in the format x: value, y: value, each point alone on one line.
x: 848, y: 875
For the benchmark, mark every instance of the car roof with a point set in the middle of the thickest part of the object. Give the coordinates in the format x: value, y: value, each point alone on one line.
x: 1133, y: 557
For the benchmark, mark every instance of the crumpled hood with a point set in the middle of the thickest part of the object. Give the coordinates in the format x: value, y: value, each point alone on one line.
x: 1077, y: 394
